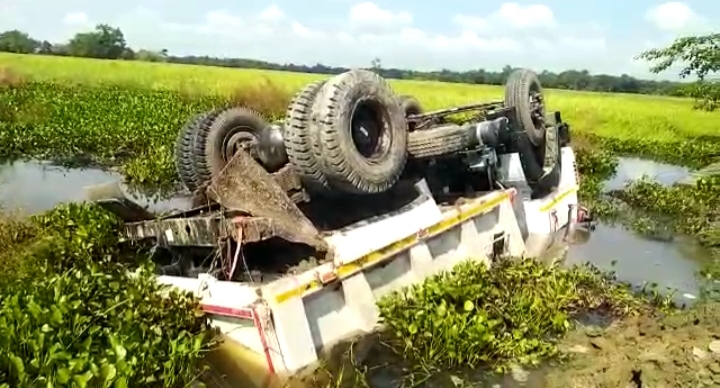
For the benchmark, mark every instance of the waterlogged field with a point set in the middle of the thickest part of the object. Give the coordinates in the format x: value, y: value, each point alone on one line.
x: 127, y: 113
x: 87, y: 323
x: 604, y: 114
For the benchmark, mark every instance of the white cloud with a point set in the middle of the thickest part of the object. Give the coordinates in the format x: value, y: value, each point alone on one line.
x: 76, y: 18
x: 522, y: 35
x: 300, y: 29
x: 529, y: 16
x: 271, y: 14
x: 592, y: 44
x: 353, y: 32
x: 222, y: 19
x: 369, y: 14
x: 671, y: 16
x: 471, y: 23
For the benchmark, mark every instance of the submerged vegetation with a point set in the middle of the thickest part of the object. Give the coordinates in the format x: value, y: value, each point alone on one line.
x: 90, y: 313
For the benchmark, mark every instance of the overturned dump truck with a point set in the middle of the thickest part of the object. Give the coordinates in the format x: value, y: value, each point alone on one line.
x: 297, y: 228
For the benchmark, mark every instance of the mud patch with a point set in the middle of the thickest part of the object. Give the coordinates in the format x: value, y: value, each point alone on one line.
x: 33, y: 187
x: 680, y: 350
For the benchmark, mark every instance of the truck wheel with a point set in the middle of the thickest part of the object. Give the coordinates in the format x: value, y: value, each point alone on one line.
x: 524, y: 93
x: 184, y: 151
x: 225, y: 132
x: 297, y: 140
x: 437, y: 141
x: 411, y: 106
x: 361, y: 133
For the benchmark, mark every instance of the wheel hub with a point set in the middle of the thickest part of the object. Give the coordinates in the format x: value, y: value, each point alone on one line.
x: 241, y: 139
x: 367, y: 130
x: 362, y: 136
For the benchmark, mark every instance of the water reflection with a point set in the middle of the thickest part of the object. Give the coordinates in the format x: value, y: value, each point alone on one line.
x: 33, y: 187
x: 630, y: 169
x: 670, y: 264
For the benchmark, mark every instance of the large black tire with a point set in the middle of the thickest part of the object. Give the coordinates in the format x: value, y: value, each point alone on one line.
x: 349, y: 104
x: 297, y: 140
x: 184, y: 146
x: 217, y: 136
x: 520, y: 86
x: 437, y: 141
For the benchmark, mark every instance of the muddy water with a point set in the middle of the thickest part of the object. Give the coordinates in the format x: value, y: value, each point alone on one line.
x: 32, y: 187
x: 671, y: 263
x: 232, y: 365
x: 630, y: 169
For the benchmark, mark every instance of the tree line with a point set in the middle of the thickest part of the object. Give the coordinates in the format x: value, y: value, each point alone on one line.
x: 107, y: 42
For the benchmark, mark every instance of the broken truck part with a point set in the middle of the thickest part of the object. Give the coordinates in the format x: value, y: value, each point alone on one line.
x: 301, y: 226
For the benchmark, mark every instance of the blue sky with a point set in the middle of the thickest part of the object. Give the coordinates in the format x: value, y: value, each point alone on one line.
x: 600, y: 36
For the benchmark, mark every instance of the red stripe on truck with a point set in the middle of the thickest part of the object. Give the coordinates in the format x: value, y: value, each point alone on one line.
x: 247, y: 313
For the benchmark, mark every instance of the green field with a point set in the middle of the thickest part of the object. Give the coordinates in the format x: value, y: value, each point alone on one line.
x: 604, y: 114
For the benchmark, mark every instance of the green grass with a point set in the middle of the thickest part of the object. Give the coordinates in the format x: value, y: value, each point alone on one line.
x: 621, y: 116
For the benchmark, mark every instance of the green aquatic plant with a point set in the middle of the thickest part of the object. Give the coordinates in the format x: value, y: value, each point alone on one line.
x: 685, y: 150
x: 126, y: 127
x: 93, y: 326
x: 695, y: 210
x: 509, y: 314
x: 594, y: 167
x: 94, y: 315
x: 16, y: 236
x: 692, y: 210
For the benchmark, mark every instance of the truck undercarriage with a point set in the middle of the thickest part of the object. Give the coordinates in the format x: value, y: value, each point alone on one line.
x: 267, y: 194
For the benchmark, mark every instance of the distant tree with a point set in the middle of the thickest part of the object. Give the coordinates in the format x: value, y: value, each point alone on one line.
x: 109, y: 43
x: 507, y: 69
x: 700, y: 56
x: 128, y: 54
x: 15, y: 41
x: 150, y: 56
x: 105, y: 42
x: 45, y: 47
x: 60, y: 50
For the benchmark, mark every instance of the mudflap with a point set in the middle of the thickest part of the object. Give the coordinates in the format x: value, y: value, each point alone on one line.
x: 542, y: 168
x: 110, y: 197
x: 245, y: 188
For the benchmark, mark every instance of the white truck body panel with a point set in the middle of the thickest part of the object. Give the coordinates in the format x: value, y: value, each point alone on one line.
x: 288, y: 322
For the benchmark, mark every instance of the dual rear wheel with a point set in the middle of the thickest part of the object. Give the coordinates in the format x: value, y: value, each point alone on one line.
x: 209, y: 140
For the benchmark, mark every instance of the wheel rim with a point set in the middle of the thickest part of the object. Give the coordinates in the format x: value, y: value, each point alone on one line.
x: 370, y: 130
x: 239, y: 138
